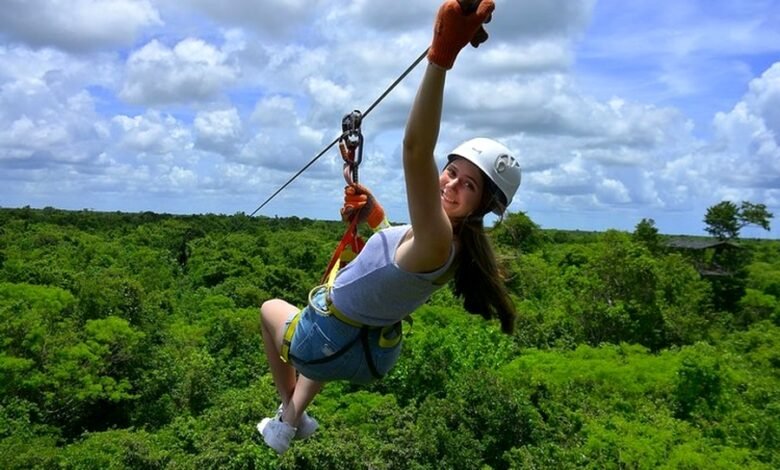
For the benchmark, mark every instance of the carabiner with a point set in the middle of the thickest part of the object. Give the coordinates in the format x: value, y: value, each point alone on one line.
x: 351, y: 145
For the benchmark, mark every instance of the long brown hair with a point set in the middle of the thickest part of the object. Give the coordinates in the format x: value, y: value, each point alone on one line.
x: 477, y: 276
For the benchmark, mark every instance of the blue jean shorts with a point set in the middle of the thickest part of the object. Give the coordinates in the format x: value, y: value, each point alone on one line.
x: 320, y: 335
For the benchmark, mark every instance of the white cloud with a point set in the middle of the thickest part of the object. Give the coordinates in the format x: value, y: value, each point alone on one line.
x: 179, y: 179
x: 152, y: 133
x: 46, y: 117
x: 541, y: 18
x: 39, y: 135
x: 218, y: 131
x: 282, y: 148
x: 77, y: 25
x: 612, y: 191
x: 191, y: 70
x: 268, y: 17
x: 275, y: 111
x: 749, y: 132
x: 570, y: 178
x: 328, y: 94
x: 764, y: 98
x: 540, y: 56
x: 391, y: 17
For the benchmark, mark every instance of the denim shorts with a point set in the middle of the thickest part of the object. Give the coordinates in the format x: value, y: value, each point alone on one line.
x: 319, y: 334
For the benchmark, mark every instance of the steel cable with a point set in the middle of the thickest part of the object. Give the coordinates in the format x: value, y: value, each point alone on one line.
x: 335, y: 141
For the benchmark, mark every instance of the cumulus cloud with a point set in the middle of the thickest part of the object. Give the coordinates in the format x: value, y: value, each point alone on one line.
x: 329, y: 95
x: 540, y: 56
x: 764, y: 98
x: 46, y: 117
x: 569, y: 178
x: 269, y: 17
x: 286, y: 149
x: 612, y: 191
x: 742, y: 162
x: 76, y: 25
x: 391, y: 17
x: 152, y: 133
x: 178, y: 179
x: 191, y: 70
x: 275, y: 110
x: 218, y: 131
x: 748, y: 134
x: 541, y: 18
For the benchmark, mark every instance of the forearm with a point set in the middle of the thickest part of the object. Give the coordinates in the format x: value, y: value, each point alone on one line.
x: 422, y: 127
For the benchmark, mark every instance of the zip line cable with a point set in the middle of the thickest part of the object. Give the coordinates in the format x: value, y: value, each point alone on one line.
x: 329, y: 146
x: 396, y: 82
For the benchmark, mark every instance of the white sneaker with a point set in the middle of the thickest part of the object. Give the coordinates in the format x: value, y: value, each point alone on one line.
x: 277, y: 434
x: 306, y: 425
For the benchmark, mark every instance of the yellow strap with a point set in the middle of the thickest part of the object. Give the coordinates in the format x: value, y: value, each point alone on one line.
x: 288, y: 334
x: 392, y: 342
x: 332, y: 277
x: 345, y: 257
x: 343, y: 318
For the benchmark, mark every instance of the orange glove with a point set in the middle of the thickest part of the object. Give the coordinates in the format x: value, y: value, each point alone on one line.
x: 458, y: 23
x: 358, y: 199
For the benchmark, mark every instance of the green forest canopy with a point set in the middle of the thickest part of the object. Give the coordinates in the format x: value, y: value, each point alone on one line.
x: 131, y: 341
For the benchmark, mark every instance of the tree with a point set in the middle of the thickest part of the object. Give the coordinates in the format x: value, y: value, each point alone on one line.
x: 724, y: 220
x: 519, y: 231
x: 646, y: 233
x: 616, y: 292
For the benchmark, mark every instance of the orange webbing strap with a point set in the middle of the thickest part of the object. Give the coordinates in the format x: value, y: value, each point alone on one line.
x: 340, y: 256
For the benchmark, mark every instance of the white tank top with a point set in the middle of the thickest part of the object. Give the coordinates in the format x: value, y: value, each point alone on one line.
x: 374, y: 290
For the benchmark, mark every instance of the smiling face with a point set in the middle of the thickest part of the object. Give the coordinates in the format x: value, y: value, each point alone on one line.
x: 461, y: 185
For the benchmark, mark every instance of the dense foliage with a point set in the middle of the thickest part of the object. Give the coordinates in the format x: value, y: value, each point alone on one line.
x: 131, y: 341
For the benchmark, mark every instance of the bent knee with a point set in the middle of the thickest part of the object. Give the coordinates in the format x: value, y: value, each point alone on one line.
x: 274, y: 309
x: 273, y: 305
x: 266, y: 308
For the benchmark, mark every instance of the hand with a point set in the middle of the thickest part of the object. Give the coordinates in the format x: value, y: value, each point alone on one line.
x: 360, y: 203
x: 458, y: 22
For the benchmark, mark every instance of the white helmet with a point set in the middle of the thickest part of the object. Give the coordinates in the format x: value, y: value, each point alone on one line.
x: 495, y: 161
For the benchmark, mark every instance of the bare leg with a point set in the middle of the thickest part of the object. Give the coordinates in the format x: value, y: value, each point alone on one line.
x: 273, y: 315
x: 297, y: 394
x: 305, y: 391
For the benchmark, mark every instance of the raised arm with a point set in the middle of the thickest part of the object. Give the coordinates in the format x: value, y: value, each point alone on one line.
x: 431, y: 228
x: 457, y: 24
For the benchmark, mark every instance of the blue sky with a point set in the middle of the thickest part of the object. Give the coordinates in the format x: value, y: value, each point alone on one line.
x: 618, y: 111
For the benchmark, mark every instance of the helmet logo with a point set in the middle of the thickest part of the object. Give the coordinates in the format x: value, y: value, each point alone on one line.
x: 505, y: 161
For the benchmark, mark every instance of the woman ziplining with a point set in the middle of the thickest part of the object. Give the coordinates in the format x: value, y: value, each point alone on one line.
x: 351, y: 328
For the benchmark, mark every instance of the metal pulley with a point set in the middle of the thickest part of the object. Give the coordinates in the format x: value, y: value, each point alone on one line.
x: 351, y: 145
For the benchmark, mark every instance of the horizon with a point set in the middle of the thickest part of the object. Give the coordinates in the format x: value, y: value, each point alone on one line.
x: 488, y: 226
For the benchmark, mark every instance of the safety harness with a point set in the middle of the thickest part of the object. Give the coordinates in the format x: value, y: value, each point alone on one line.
x: 351, y: 149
